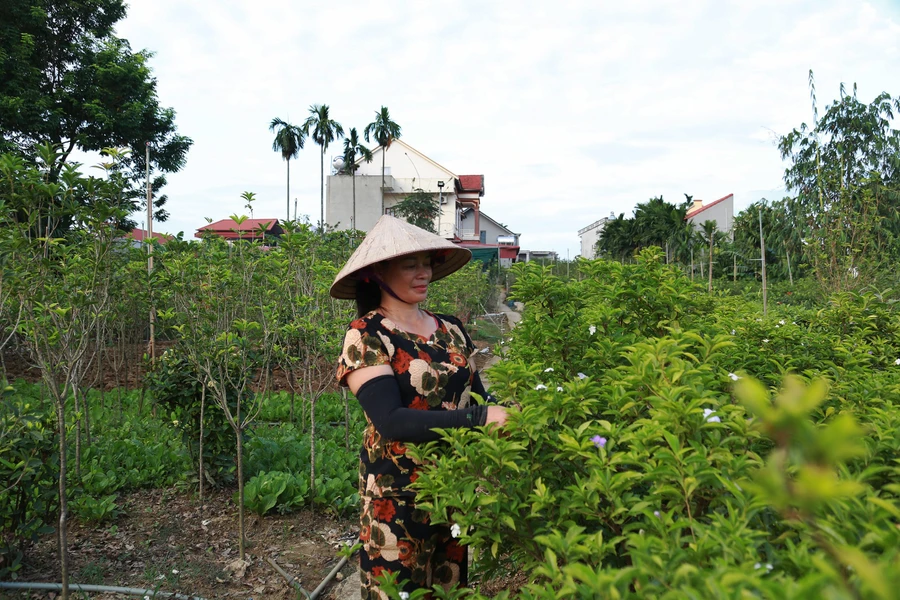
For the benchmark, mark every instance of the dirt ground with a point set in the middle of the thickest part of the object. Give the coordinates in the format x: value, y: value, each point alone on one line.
x: 164, y: 541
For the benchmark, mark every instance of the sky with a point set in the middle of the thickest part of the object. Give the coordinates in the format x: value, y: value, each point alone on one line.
x: 571, y: 110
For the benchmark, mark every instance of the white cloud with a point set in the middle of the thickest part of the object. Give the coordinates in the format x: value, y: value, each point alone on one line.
x: 570, y: 109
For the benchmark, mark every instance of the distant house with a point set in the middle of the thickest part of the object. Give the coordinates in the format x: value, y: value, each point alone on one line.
x: 407, y: 170
x: 138, y: 237
x: 530, y: 255
x: 250, y: 229
x: 591, y: 234
x: 721, y: 211
x: 490, y: 234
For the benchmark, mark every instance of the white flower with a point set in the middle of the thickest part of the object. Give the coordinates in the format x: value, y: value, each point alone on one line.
x: 781, y: 322
x: 766, y: 341
x: 455, y: 530
x: 548, y: 370
x: 559, y: 388
x: 174, y: 571
x: 540, y: 387
x: 777, y: 326
x: 897, y: 362
x: 582, y: 376
x: 592, y: 330
x: 404, y: 595
x: 732, y: 332
x: 734, y: 377
x: 710, y: 419
x: 656, y: 513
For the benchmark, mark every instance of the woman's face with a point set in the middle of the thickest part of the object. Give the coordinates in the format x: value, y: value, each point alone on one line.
x: 408, y: 276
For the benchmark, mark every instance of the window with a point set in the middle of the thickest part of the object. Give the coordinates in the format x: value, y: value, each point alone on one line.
x: 482, y: 238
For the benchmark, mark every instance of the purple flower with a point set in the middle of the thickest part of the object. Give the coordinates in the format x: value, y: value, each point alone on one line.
x: 600, y: 442
x: 656, y: 513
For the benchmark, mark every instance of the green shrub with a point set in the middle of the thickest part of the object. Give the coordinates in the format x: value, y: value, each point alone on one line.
x: 175, y: 387
x: 29, y: 470
x: 644, y: 462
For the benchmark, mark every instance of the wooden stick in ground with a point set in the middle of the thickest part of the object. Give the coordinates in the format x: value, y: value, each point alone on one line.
x: 291, y: 580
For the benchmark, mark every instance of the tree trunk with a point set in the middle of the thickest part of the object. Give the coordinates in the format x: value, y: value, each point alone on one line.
x: 240, y: 468
x: 202, y: 412
x: 762, y: 256
x: 353, y: 175
x: 312, y: 446
x: 346, y: 418
x: 321, y: 193
x: 383, y: 150
x: 790, y: 274
x: 710, y: 261
x: 63, y: 541
x: 288, y: 213
x: 692, y: 263
x: 77, y: 433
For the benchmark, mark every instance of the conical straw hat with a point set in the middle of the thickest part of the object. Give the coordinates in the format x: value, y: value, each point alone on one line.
x: 392, y: 237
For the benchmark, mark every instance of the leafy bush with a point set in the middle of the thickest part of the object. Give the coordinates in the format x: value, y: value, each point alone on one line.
x: 644, y: 462
x: 273, y: 489
x: 175, y: 387
x: 28, y: 473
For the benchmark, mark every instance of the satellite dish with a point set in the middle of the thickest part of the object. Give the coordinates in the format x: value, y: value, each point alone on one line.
x: 338, y: 163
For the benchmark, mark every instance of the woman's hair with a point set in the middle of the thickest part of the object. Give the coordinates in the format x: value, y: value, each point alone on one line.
x: 368, y: 297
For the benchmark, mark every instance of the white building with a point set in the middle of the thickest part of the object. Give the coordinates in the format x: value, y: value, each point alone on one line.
x: 590, y: 235
x: 721, y: 211
x: 407, y: 170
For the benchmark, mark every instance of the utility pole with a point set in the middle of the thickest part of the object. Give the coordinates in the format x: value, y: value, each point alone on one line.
x: 152, y: 346
x: 762, y: 253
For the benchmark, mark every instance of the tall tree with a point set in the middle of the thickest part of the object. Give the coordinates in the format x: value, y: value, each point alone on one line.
x: 385, y: 131
x: 845, y: 173
x: 323, y: 130
x: 289, y: 141
x: 354, y: 149
x: 67, y: 80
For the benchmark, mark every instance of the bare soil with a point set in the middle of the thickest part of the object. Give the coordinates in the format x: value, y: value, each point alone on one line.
x: 163, y: 540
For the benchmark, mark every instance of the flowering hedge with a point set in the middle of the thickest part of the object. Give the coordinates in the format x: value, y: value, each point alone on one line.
x: 647, y: 462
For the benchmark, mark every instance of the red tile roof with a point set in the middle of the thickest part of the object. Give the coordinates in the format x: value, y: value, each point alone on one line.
x: 247, y: 225
x: 472, y: 183
x: 692, y: 213
x: 248, y: 229
x: 139, y: 235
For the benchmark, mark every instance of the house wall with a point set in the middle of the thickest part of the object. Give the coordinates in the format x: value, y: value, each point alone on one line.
x: 589, y: 237
x: 722, y: 213
x: 339, y: 201
x: 405, y: 171
x: 491, y: 230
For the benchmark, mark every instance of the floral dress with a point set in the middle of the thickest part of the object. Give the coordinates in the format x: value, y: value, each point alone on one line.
x: 433, y: 373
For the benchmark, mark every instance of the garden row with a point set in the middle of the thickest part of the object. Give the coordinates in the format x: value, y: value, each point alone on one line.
x: 676, y: 444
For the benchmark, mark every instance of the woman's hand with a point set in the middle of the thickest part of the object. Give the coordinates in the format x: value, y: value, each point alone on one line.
x: 497, y: 415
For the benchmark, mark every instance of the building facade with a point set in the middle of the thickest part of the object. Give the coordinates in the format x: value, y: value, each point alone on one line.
x: 407, y: 170
x: 721, y: 211
x: 590, y: 235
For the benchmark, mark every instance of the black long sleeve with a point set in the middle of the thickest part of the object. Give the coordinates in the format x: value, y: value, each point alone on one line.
x: 380, y: 398
x: 478, y: 388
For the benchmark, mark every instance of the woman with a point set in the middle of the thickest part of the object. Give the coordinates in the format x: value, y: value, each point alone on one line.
x: 411, y: 371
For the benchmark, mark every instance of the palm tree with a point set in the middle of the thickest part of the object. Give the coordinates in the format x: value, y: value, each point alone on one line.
x: 324, y: 131
x: 352, y: 149
x: 385, y: 132
x: 289, y: 141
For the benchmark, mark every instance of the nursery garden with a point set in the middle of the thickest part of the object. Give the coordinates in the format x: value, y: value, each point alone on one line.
x: 695, y: 414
